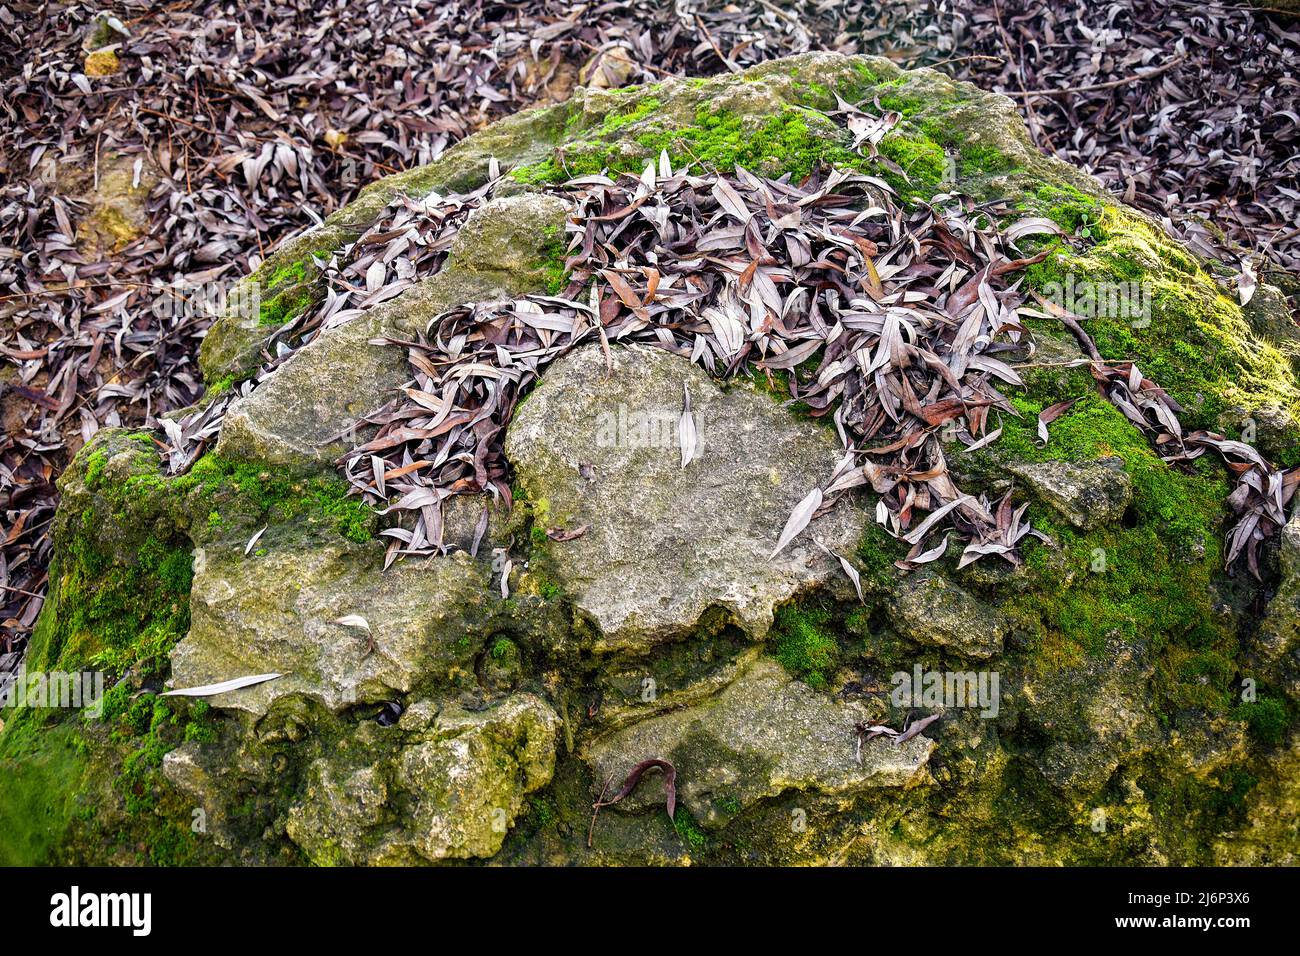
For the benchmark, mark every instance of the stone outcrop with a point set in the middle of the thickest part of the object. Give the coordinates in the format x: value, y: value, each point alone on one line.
x: 664, y: 541
x: 473, y: 706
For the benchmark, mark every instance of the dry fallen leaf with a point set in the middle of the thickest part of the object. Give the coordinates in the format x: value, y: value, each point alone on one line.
x: 208, y: 690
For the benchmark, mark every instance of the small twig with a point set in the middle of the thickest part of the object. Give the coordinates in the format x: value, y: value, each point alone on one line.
x: 177, y: 119
x: 645, y: 66
x: 963, y: 59
x: 708, y: 36
x: 6, y: 587
x: 1110, y: 84
x: 1074, y: 363
x: 595, y: 808
x: 1035, y: 126
x: 783, y: 14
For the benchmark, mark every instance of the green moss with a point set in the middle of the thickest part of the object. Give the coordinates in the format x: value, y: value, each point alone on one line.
x: 1267, y: 719
x: 696, y: 840
x: 1186, y: 507
x: 275, y: 496
x: 223, y: 384
x: 1199, y: 806
x: 41, y: 770
x: 285, y: 291
x: 1151, y: 580
x: 116, y: 615
x: 1072, y: 210
x: 551, y: 262
x: 923, y: 162
x: 542, y: 812
x: 877, y: 552
x: 804, y: 644
x: 1193, y: 340
x: 278, y: 309
x: 147, y: 730
x: 617, y: 119
x: 795, y: 141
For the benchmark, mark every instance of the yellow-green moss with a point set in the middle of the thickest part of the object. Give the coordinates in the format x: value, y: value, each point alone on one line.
x: 1197, y: 345
x: 1151, y: 579
x: 41, y: 768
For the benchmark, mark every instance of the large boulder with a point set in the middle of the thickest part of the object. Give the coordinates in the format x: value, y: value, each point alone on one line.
x: 1137, y: 703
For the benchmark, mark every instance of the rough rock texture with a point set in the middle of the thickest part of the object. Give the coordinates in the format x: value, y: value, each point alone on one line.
x: 276, y: 612
x: 1279, y: 632
x: 664, y: 541
x: 1148, y: 690
x: 932, y: 611
x: 113, y: 195
x: 303, y: 414
x: 235, y: 340
x: 1088, y: 496
x: 460, y: 777
x: 764, y: 734
x: 1098, y: 717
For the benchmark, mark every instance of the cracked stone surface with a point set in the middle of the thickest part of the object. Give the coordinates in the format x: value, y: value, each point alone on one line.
x: 665, y: 543
x: 765, y: 733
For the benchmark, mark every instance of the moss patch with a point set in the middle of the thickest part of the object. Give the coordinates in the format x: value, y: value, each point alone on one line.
x: 1192, y: 340
x: 805, y: 644
x: 276, y: 497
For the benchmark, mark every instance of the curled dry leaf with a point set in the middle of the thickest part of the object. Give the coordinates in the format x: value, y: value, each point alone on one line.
x: 634, y: 777
x: 687, y: 435
x: 1050, y: 414
x: 914, y: 728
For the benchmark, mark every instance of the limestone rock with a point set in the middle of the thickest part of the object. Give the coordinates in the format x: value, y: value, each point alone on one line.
x: 666, y: 543
x: 1087, y: 495
x: 303, y: 414
x: 932, y: 611
x: 460, y: 783
x: 608, y: 69
x: 275, y: 613
x: 103, y: 30
x: 1278, y: 636
x: 1270, y: 835
x: 114, y: 199
x: 763, y: 735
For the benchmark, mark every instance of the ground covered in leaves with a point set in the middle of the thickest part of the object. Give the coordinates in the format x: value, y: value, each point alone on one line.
x: 173, y: 147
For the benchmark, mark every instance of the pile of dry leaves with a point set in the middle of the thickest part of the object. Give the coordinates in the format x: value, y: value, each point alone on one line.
x: 211, y: 130
x: 741, y: 274
x: 904, y: 312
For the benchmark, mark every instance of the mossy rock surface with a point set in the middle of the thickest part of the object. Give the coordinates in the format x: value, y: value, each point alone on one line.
x: 1148, y: 699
